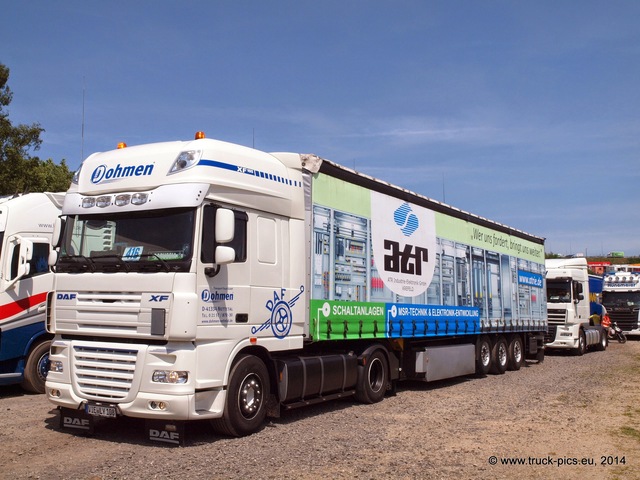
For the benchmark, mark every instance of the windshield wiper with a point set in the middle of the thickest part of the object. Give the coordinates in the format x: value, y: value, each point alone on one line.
x: 79, y: 266
x: 153, y: 265
x: 118, y: 265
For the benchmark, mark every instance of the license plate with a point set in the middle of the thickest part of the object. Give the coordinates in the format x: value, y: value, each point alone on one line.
x: 101, y: 411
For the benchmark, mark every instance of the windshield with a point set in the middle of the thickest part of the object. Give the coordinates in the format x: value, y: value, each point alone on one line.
x: 157, y: 240
x: 621, y: 299
x: 558, y: 292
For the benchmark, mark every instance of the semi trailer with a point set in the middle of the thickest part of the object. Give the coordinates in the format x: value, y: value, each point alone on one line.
x: 202, y: 280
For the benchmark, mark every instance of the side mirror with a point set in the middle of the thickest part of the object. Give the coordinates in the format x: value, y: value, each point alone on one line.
x: 19, y: 254
x: 224, y: 255
x: 225, y: 225
x: 53, y: 258
x: 58, y: 227
x: 224, y: 233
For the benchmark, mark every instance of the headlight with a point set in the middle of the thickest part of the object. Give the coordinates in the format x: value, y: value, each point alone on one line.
x: 56, y: 366
x: 170, y: 376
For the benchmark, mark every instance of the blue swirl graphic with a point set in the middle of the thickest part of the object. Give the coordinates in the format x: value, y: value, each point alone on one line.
x: 406, y: 219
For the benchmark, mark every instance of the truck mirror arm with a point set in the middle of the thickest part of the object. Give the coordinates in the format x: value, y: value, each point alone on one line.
x: 212, y: 271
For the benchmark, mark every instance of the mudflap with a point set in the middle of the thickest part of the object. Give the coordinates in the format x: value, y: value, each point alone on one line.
x: 170, y: 433
x: 535, y: 346
x: 76, y: 421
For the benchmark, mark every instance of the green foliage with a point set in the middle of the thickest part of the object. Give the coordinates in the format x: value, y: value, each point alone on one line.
x: 19, y: 171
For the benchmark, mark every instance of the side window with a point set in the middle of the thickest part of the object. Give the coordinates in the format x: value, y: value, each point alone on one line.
x: 39, y: 263
x: 239, y: 242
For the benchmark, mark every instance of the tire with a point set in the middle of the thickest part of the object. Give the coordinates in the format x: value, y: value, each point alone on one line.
x: 622, y: 338
x: 604, y: 341
x: 582, y: 344
x: 515, y: 353
x: 483, y: 355
x: 499, y: 356
x: 247, y: 394
x: 36, y: 368
x: 373, y: 378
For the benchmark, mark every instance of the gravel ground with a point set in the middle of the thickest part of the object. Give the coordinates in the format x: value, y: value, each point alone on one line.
x: 546, y: 416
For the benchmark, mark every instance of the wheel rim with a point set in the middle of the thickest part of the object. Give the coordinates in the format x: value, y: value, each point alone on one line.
x: 502, y: 354
x: 250, y: 396
x: 485, y: 354
x: 43, y: 366
x: 376, y: 375
x: 517, y: 352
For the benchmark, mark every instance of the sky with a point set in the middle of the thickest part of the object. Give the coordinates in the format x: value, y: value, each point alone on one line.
x: 523, y: 112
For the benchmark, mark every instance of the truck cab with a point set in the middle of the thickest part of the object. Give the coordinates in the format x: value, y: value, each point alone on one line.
x: 26, y: 228
x: 570, y: 322
x: 621, y: 298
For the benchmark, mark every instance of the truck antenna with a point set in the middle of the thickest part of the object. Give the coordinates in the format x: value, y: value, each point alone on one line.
x: 82, y: 133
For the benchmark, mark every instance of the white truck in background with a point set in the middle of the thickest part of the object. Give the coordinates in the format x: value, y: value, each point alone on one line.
x: 571, y: 295
x: 26, y: 229
x: 202, y: 280
x: 621, y: 298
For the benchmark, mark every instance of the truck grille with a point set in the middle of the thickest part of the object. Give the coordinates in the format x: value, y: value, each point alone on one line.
x: 104, y: 373
x: 556, y: 316
x: 626, y: 320
x: 103, y: 313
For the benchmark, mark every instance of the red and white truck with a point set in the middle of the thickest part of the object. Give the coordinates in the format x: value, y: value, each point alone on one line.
x: 26, y: 229
x: 202, y: 280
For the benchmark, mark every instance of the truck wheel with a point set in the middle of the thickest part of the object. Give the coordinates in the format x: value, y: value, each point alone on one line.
x: 246, y: 405
x: 372, y: 378
x: 483, y: 355
x: 515, y: 352
x: 36, y: 368
x: 499, y: 356
x: 582, y: 344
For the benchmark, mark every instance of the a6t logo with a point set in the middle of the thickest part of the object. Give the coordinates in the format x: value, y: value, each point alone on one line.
x: 409, y: 260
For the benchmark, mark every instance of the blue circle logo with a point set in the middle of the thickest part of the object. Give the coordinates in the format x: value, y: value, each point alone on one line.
x: 98, y: 174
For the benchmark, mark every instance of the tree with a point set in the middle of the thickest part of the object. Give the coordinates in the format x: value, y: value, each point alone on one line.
x: 19, y: 171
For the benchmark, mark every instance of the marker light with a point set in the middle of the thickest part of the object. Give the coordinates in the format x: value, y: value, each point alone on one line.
x: 199, y: 135
x: 121, y: 145
x: 88, y: 202
x: 139, y: 198
x: 103, y: 202
x: 186, y: 159
x: 122, y: 200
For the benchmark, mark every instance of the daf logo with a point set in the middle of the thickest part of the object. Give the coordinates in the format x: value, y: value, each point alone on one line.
x: 76, y: 422
x: 164, y: 436
x: 66, y: 296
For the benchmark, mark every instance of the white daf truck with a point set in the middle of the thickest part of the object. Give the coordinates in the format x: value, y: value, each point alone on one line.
x: 571, y: 296
x: 621, y: 298
x: 206, y: 280
x: 26, y: 229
